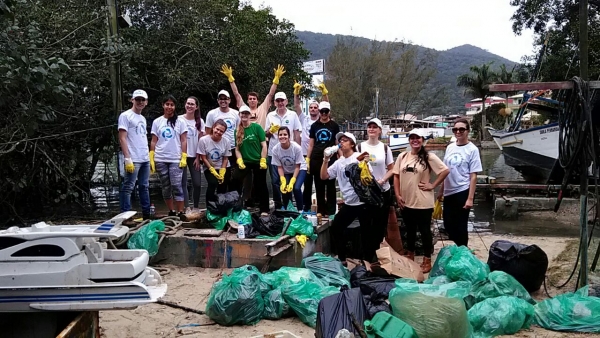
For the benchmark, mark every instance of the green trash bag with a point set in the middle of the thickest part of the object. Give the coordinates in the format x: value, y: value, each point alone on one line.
x: 499, y: 283
x: 463, y: 265
x: 290, y: 275
x: 291, y: 207
x: 217, y: 221
x: 575, y: 312
x: 430, y: 316
x: 330, y: 270
x: 304, y: 298
x: 246, y: 270
x: 458, y: 290
x: 439, y: 280
x: 243, y: 217
x: 275, y: 306
x: 438, y: 268
x: 301, y: 226
x: 236, y: 299
x: 146, y: 238
x: 502, y: 315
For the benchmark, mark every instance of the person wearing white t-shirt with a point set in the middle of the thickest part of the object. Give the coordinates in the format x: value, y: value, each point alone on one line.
x: 382, y: 163
x: 168, y: 154
x: 353, y: 208
x: 281, y: 117
x: 195, y: 127
x: 134, y: 146
x: 306, y: 121
x: 458, y: 189
x: 291, y: 167
x: 231, y: 117
x: 214, y: 150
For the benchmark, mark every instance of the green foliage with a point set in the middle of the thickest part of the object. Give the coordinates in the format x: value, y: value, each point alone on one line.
x: 493, y: 119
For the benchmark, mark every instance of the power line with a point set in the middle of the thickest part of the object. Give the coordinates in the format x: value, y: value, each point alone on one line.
x: 57, y: 135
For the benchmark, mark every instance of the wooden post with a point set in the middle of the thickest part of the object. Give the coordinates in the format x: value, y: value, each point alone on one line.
x: 583, y: 192
x: 115, y: 72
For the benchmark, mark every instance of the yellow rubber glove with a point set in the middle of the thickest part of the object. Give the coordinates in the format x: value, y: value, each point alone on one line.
x: 222, y: 172
x: 290, y: 186
x: 278, y: 72
x: 437, y: 210
x: 213, y: 171
x: 302, y: 239
x: 227, y: 71
x: 183, y: 161
x: 263, y: 163
x: 240, y: 163
x: 307, y: 159
x: 365, y: 174
x: 283, y: 184
x: 323, y: 89
x: 129, y: 167
x: 297, y: 88
x: 152, y: 165
x: 274, y: 128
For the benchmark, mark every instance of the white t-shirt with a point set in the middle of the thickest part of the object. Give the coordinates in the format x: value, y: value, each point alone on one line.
x: 462, y: 161
x: 231, y: 118
x: 288, y: 158
x: 137, y: 141
x: 168, y: 147
x: 379, y: 160
x: 192, y: 134
x: 214, y: 151
x: 337, y: 170
x: 289, y: 119
x: 306, y: 123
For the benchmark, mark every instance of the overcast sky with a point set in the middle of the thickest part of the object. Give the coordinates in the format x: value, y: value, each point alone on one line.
x: 437, y: 24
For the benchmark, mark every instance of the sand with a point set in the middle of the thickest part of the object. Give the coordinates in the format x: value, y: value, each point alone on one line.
x: 190, y: 287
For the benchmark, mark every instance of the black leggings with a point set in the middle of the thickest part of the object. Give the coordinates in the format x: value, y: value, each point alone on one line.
x: 456, y: 218
x: 346, y: 215
x: 258, y: 184
x: 379, y: 219
x: 418, y: 219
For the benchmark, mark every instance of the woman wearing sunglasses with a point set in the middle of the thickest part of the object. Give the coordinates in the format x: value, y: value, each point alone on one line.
x: 414, y: 193
x: 458, y: 189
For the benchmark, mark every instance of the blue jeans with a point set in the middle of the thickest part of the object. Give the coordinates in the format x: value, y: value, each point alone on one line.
x: 141, y: 173
x: 297, y: 190
x: 275, y: 183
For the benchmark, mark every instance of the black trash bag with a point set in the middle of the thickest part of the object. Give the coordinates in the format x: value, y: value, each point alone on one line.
x: 377, y: 286
x: 376, y: 304
x: 272, y: 224
x: 224, y: 202
x: 526, y: 263
x: 335, y: 313
x: 356, y: 274
x: 371, y: 194
x: 250, y: 231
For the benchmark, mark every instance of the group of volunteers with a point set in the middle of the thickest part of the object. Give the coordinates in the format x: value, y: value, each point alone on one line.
x: 235, y: 148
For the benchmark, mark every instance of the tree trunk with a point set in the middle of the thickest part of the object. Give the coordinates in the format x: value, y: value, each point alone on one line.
x: 483, y: 121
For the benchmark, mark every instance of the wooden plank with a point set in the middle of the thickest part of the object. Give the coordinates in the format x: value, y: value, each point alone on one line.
x: 203, y: 232
x: 86, y: 325
x: 511, y: 87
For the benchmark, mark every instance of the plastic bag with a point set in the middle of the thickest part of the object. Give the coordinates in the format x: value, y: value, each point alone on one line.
x: 439, y: 280
x: 275, y: 306
x: 526, y: 263
x: 458, y: 263
x: 500, y: 316
x: 458, y: 290
x: 359, y: 272
x: 437, y: 210
x: 291, y: 207
x: 146, y: 238
x: 576, y: 312
x: 371, y: 194
x: 290, y: 275
x: 300, y: 226
x: 376, y: 304
x: 246, y: 270
x: 499, y: 283
x: 335, y: 313
x: 430, y: 316
x: 236, y: 299
x: 304, y: 297
x: 223, y: 203
x: 330, y: 270
x: 272, y: 224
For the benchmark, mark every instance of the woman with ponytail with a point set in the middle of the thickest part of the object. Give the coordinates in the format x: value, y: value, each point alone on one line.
x: 414, y: 193
x: 195, y: 129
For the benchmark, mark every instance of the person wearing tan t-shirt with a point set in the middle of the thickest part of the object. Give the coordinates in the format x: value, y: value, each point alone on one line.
x: 414, y: 193
x: 258, y: 113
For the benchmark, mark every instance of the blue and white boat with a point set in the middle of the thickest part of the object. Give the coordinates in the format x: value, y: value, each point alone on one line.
x: 65, y: 268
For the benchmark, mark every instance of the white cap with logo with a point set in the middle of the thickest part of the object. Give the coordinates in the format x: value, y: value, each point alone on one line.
x: 324, y: 105
x: 139, y: 93
x: 280, y: 96
x: 376, y: 121
x: 223, y: 92
x: 347, y: 134
x: 244, y: 108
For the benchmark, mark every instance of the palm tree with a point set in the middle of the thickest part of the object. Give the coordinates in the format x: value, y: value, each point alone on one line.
x: 477, y: 83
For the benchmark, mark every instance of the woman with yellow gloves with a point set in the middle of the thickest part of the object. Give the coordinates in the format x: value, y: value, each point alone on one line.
x: 251, y: 152
x: 168, y: 154
x: 213, y: 151
x: 291, y: 167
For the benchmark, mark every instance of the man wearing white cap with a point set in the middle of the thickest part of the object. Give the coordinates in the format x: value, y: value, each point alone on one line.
x: 280, y: 117
x: 307, y: 121
x: 232, y: 118
x: 134, y: 146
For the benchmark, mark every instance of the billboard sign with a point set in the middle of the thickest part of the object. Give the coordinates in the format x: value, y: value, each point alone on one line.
x: 314, y: 66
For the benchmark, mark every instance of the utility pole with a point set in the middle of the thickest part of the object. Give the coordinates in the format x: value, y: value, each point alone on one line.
x: 377, y: 102
x: 114, y: 69
x: 583, y: 191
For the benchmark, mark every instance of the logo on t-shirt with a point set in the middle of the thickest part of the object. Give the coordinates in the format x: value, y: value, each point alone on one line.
x: 191, y: 132
x: 229, y: 124
x: 455, y: 160
x: 287, y: 121
x: 140, y: 129
x: 324, y: 135
x: 372, y: 159
x: 214, y: 155
x: 166, y: 132
x: 287, y: 161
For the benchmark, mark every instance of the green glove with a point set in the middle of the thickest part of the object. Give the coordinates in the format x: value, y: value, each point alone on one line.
x: 283, y: 185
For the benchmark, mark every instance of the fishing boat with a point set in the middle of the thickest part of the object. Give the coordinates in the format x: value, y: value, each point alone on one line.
x: 398, y: 141
x: 68, y: 268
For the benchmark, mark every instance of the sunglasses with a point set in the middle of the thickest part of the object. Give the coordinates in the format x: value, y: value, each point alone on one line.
x: 343, y: 139
x: 279, y: 100
x: 324, y: 111
x: 139, y: 99
x: 459, y: 130
x: 223, y: 98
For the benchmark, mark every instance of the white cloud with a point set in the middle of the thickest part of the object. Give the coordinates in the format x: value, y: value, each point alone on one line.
x: 438, y: 24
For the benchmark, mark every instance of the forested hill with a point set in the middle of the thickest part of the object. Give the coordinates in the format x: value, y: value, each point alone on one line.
x: 450, y: 64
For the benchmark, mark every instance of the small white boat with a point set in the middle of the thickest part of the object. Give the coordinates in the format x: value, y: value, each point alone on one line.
x: 65, y: 268
x: 398, y: 141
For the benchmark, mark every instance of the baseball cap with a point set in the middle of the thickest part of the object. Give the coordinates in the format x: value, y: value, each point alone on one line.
x: 347, y: 134
x: 324, y: 105
x: 376, y: 121
x: 244, y: 108
x: 417, y: 132
x: 139, y: 93
x: 280, y: 95
x: 223, y: 92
